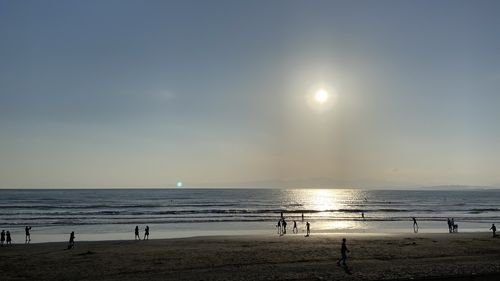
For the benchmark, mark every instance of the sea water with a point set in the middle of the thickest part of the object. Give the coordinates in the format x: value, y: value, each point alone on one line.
x: 110, y: 214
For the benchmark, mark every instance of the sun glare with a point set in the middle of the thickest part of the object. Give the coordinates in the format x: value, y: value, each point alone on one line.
x: 323, y: 199
x: 321, y: 96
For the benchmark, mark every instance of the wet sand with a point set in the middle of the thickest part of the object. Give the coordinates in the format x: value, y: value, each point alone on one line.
x: 471, y: 256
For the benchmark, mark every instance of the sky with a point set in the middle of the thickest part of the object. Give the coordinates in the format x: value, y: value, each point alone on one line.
x: 219, y: 93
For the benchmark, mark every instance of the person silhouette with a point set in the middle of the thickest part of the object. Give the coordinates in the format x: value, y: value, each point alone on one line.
x: 137, y: 237
x: 302, y: 216
x: 2, y: 238
x: 28, y: 235
x: 343, y: 253
x: 454, y: 226
x: 363, y: 215
x: 71, y: 243
x: 284, y: 226
x: 295, y: 229
x: 494, y: 229
x: 415, y: 225
x: 279, y: 226
x: 308, y: 229
x: 146, y: 233
x: 9, y: 239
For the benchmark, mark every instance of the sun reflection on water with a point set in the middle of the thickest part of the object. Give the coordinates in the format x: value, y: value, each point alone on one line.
x: 327, y: 208
x: 324, y: 199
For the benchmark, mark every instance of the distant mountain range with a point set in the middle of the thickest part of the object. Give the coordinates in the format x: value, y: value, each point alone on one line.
x: 331, y: 183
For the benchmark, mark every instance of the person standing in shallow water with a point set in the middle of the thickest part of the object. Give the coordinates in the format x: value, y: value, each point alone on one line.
x: 308, y: 229
x: 71, y: 243
x: 137, y: 237
x: 343, y: 253
x: 494, y: 229
x: 415, y: 225
x: 146, y: 233
x: 295, y: 229
x: 2, y: 237
x: 28, y: 235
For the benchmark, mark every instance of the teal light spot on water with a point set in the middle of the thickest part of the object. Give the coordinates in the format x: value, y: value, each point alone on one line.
x: 180, y: 184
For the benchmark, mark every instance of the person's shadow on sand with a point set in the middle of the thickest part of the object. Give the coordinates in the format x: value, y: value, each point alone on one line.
x: 346, y: 269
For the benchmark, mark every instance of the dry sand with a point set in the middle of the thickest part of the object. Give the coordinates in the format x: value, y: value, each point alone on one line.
x: 292, y: 257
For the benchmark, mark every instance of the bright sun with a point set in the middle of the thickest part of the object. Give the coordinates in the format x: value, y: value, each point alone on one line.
x: 321, y: 96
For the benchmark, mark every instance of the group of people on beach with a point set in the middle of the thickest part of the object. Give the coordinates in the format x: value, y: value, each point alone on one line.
x: 282, y: 226
x: 146, y: 233
x: 453, y: 227
x: 6, y: 237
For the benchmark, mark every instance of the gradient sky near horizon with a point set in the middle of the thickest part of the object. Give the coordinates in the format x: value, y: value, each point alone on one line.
x: 215, y: 93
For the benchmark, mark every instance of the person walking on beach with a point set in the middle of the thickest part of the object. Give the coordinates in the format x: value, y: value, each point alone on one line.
x: 343, y: 253
x: 494, y: 229
x: 450, y: 226
x: 71, y: 243
x: 295, y: 229
x: 363, y: 215
x: 9, y: 239
x: 2, y: 238
x: 146, y: 233
x: 308, y: 229
x: 137, y: 237
x: 279, y: 226
x: 415, y: 225
x: 28, y: 235
x: 302, y: 217
x: 284, y: 226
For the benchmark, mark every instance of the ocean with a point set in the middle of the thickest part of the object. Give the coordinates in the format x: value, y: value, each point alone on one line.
x: 112, y: 214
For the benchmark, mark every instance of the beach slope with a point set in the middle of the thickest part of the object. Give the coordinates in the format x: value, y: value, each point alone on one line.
x: 472, y: 256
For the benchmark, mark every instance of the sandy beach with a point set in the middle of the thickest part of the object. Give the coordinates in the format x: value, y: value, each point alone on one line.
x: 468, y: 256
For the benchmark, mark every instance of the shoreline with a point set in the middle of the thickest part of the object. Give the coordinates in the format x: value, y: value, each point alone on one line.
x: 362, y: 235
x: 258, y: 234
x: 171, y: 231
x: 426, y: 256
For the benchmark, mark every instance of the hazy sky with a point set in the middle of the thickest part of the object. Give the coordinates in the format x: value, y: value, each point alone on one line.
x: 216, y: 93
